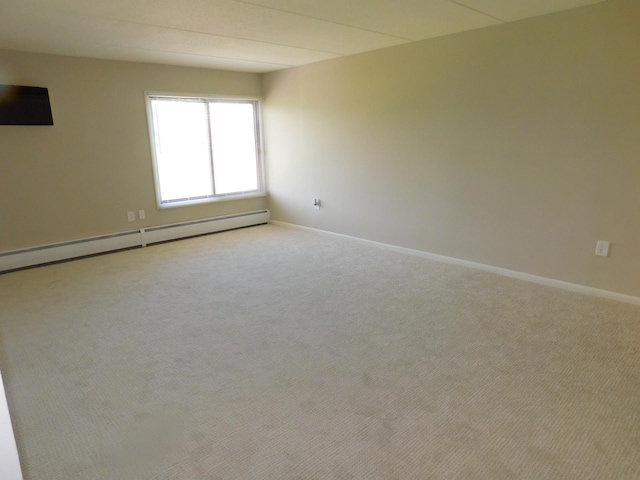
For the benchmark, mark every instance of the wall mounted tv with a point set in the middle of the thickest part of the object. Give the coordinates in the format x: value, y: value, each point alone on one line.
x: 21, y: 105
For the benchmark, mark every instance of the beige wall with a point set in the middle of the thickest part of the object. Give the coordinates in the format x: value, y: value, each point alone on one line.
x: 516, y: 146
x: 81, y: 176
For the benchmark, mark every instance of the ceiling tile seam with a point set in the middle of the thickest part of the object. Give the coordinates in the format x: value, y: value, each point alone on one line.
x: 326, y: 21
x: 167, y: 27
x: 127, y: 47
x: 461, y: 4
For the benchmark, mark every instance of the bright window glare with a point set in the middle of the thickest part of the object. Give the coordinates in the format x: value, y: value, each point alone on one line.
x: 182, y: 149
x: 233, y: 147
x: 204, y: 148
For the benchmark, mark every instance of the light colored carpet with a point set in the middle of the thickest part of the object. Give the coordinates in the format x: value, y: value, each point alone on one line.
x: 269, y: 353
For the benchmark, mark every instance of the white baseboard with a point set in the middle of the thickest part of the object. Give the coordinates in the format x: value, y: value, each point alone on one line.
x: 83, y: 247
x: 9, y: 461
x: 202, y: 227
x: 62, y: 251
x: 573, y: 287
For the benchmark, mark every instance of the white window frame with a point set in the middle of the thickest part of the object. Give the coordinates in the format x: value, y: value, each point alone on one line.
x: 261, y: 190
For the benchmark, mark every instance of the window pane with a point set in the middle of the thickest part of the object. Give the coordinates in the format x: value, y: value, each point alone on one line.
x: 233, y: 147
x: 182, y: 149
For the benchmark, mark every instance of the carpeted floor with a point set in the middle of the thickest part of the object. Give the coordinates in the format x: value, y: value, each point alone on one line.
x: 269, y: 353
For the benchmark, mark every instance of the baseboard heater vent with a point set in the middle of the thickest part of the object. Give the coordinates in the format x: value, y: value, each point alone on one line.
x: 202, y: 227
x: 27, y: 257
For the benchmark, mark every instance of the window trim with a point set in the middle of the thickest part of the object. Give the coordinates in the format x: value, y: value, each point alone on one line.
x: 260, y: 192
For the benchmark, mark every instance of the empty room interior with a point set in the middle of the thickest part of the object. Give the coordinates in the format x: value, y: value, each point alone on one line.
x: 274, y: 239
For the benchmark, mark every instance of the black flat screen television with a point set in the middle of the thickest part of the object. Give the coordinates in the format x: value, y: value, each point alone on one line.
x: 21, y: 105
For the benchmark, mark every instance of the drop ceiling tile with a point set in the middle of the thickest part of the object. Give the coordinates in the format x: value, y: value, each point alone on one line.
x: 180, y: 41
x: 96, y: 34
x: 132, y: 54
x: 401, y: 18
x: 236, y: 20
x: 510, y: 10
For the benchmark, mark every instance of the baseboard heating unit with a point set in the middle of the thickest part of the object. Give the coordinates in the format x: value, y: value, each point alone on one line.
x: 15, y: 259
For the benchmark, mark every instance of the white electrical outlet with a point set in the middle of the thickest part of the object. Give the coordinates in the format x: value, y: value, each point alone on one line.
x: 316, y: 203
x: 602, y: 248
x: 131, y: 216
x: 141, y: 215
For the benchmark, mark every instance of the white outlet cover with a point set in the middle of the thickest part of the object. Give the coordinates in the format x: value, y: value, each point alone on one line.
x: 602, y: 248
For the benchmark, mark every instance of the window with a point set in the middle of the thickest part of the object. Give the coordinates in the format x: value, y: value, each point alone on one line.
x: 205, y: 149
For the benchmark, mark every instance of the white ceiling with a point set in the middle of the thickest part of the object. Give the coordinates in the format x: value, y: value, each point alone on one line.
x: 245, y: 35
